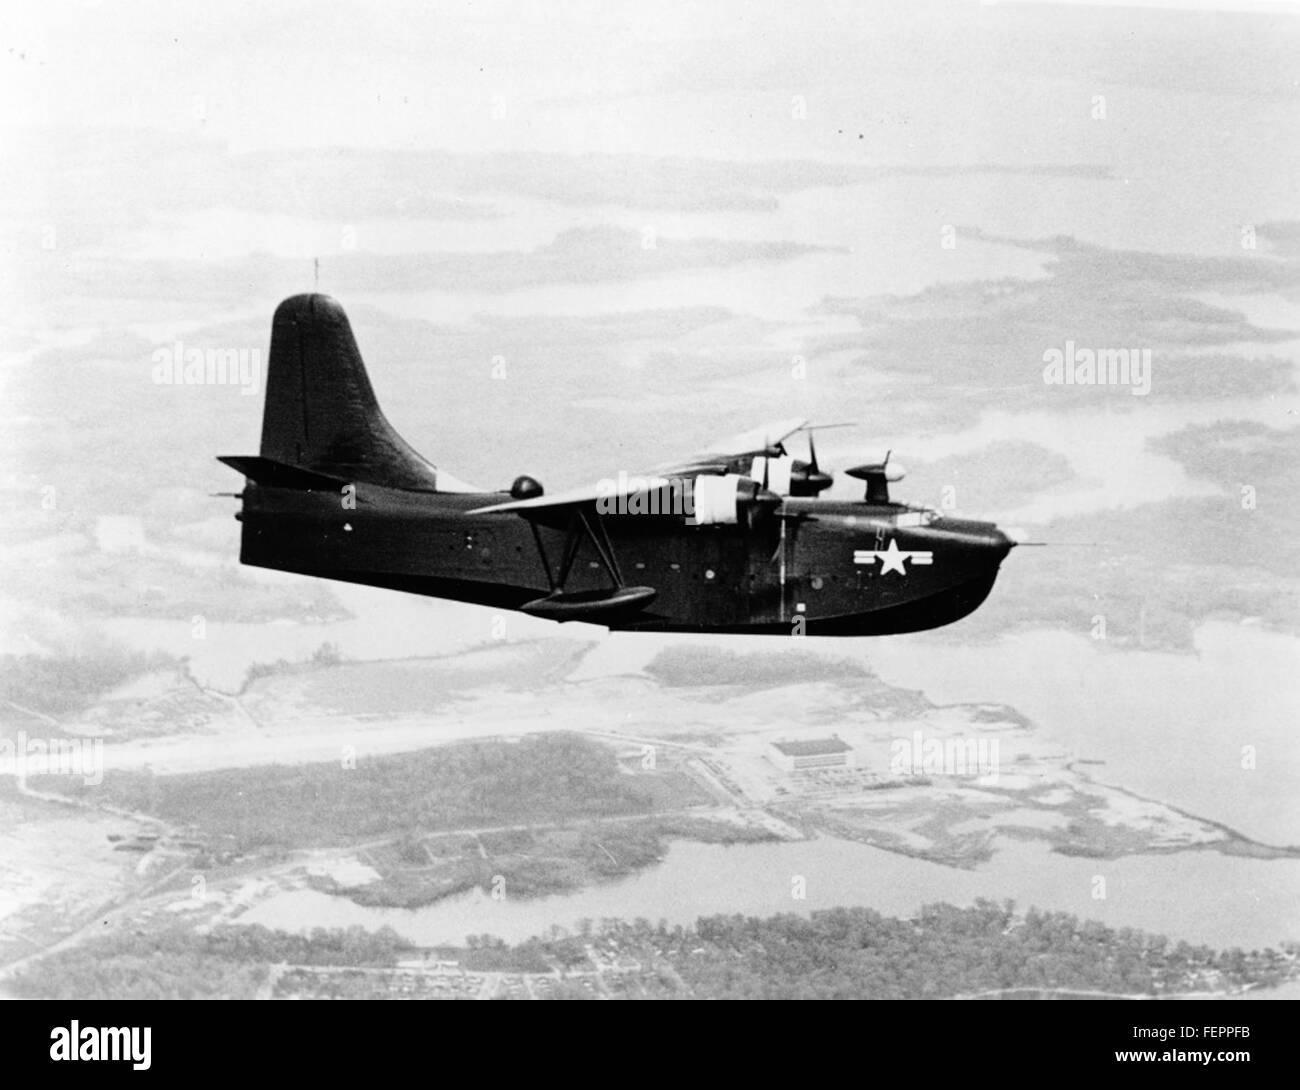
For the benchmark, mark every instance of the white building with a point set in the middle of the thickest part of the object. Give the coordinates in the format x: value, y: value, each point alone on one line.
x: 811, y: 753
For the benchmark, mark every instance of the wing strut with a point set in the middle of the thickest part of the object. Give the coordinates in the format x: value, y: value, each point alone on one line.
x: 595, y: 605
x: 604, y: 549
x: 541, y: 552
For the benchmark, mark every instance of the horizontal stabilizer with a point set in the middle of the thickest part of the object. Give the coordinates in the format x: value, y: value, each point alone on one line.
x: 273, y: 474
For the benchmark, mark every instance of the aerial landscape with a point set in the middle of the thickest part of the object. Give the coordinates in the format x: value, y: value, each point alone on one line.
x: 581, y: 244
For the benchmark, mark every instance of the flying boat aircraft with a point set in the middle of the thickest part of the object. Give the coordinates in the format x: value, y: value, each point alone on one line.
x: 735, y: 538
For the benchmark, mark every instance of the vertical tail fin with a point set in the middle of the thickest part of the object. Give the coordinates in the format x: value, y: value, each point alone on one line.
x: 321, y: 413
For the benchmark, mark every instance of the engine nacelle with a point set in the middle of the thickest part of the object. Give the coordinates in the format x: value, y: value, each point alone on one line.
x: 723, y: 500
x: 879, y: 476
x: 789, y: 476
x: 777, y: 472
x: 715, y: 501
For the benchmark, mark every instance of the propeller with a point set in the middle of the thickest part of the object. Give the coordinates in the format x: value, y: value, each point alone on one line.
x: 811, y: 479
x: 878, y: 476
x: 795, y: 477
x: 765, y: 501
x: 807, y: 478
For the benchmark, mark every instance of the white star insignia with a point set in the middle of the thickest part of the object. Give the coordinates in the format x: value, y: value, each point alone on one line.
x: 893, y: 558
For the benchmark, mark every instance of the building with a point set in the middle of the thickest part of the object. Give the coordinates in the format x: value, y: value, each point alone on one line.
x: 811, y: 753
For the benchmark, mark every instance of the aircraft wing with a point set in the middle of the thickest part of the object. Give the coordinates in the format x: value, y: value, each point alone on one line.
x: 721, y: 452
x: 713, y: 460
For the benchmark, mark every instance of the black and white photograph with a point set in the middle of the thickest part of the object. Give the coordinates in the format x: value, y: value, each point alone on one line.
x: 643, y: 501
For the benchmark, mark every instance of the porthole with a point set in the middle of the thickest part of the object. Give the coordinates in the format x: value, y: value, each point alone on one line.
x: 817, y: 582
x: 709, y: 573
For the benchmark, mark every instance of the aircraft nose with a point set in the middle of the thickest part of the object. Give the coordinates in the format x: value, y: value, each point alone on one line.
x: 999, y: 541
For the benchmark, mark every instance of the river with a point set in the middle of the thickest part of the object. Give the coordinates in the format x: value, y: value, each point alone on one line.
x: 1198, y: 896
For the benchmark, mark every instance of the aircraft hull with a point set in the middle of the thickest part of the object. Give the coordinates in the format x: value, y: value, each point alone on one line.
x: 834, y: 569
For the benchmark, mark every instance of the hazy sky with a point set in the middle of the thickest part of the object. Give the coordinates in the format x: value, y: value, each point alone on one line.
x: 651, y: 211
